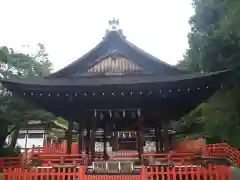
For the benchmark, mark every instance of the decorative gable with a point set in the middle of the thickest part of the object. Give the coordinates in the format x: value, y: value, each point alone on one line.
x: 111, y: 65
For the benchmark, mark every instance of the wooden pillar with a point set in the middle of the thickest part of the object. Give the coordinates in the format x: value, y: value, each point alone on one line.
x: 157, y: 138
x: 170, y: 136
x: 87, y: 142
x: 80, y: 139
x: 160, y: 138
x: 140, y: 136
x: 69, y: 136
x: 165, y: 136
x: 114, y: 133
x: 105, y: 142
x: 93, y: 137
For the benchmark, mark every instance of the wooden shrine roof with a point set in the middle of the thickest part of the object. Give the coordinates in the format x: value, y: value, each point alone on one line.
x: 117, y: 74
x: 115, y: 44
x: 113, y: 80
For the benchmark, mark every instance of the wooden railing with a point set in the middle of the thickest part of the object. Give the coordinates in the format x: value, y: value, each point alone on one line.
x: 51, y: 148
x: 174, y: 173
x: 223, y: 150
x: 49, y: 156
x: 43, y: 160
x: 172, y: 158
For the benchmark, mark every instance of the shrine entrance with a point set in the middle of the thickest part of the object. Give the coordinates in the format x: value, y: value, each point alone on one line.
x: 127, y: 140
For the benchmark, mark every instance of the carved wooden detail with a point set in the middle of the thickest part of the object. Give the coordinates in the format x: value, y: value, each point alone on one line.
x: 115, y: 65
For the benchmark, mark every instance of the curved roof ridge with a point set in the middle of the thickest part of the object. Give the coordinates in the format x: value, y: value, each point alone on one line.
x: 113, y: 41
x: 76, y: 61
x: 140, y: 50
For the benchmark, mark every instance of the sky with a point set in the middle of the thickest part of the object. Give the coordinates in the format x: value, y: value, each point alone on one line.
x: 70, y: 28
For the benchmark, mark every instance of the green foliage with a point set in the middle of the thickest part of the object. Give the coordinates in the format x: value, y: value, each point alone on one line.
x: 214, y: 45
x: 10, y: 152
x: 13, y: 110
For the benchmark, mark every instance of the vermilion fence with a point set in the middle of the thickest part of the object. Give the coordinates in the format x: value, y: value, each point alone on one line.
x: 48, y: 156
x: 214, y: 150
x: 51, y: 148
x: 43, y: 160
x: 223, y: 150
x: 173, y: 158
x: 151, y: 173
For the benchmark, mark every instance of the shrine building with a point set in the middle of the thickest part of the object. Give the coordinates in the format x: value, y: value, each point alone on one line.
x: 124, y: 91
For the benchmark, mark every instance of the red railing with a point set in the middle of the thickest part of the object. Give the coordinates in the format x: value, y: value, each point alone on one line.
x: 173, y: 173
x: 223, y: 150
x: 43, y: 160
x: 51, y: 155
x: 51, y: 148
x: 172, y: 158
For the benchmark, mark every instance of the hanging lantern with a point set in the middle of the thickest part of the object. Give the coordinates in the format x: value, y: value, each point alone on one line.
x: 124, y: 113
x: 95, y: 113
x: 139, y: 112
x: 110, y: 113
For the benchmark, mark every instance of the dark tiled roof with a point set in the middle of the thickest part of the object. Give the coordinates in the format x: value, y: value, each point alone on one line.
x: 115, y: 43
x: 116, y: 80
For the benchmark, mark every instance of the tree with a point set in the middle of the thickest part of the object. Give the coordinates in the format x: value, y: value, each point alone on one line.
x: 214, y: 45
x: 13, y: 110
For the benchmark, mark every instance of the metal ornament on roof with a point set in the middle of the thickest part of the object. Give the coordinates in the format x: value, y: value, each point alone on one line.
x: 113, y: 24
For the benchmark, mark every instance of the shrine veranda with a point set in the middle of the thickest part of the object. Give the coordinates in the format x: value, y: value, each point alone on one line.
x: 121, y: 91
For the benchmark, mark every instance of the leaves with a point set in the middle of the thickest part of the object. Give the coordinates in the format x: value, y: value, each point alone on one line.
x: 13, y: 110
x: 214, y: 45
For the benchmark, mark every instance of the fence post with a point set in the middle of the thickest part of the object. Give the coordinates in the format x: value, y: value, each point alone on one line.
x: 81, y: 173
x: 143, y: 173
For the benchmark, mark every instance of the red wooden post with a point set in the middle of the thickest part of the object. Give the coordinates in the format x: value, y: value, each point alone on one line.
x: 143, y: 172
x: 81, y: 173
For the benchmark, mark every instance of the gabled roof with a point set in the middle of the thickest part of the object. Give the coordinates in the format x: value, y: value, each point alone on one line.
x: 115, y: 43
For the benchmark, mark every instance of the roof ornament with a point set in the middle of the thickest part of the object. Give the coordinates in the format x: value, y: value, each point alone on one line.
x: 113, y: 24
